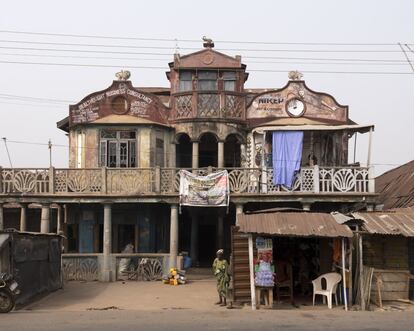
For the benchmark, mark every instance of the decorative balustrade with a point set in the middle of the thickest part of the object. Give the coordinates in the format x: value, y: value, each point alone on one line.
x: 211, y: 104
x: 165, y: 181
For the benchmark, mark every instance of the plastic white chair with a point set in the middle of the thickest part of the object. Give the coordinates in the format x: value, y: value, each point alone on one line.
x: 332, y: 280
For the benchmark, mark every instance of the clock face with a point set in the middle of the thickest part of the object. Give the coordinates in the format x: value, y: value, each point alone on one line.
x: 295, y: 107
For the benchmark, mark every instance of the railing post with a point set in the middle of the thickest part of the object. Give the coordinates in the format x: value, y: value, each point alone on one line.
x: 104, y: 188
x: 51, y: 180
x: 157, y: 179
x: 316, y: 178
x: 371, y: 180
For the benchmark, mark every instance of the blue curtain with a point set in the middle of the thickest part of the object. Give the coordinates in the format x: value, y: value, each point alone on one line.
x: 287, y: 156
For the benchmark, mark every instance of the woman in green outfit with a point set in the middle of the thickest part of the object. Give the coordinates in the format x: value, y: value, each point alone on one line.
x: 220, y: 270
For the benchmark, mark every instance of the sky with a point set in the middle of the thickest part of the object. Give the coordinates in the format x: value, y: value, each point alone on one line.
x: 28, y: 121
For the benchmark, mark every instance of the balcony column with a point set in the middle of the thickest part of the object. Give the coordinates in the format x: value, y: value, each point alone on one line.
x: 194, y: 163
x: 239, y: 211
x: 220, y: 155
x: 194, y: 240
x: 1, y: 217
x: 23, y: 217
x: 220, y: 232
x: 173, y: 236
x: 107, y: 243
x: 59, y: 226
x: 45, y: 219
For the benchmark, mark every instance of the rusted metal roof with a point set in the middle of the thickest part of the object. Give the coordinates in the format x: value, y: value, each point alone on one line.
x: 396, y: 187
x: 388, y: 223
x: 293, y: 224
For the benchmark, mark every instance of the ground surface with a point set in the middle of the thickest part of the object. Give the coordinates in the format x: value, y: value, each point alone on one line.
x: 154, y: 306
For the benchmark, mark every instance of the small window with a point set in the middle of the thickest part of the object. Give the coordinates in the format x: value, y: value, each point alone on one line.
x: 127, y: 134
x: 207, y: 81
x: 229, y: 78
x: 108, y: 134
x: 186, y: 81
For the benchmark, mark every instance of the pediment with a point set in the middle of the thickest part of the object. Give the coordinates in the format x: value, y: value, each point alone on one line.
x: 207, y: 58
x: 120, y: 99
x: 273, y: 105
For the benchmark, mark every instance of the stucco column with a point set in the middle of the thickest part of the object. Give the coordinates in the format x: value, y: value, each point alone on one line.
x: 173, y: 236
x: 239, y: 210
x: 107, y: 243
x: 1, y: 217
x: 194, y: 241
x: 194, y: 163
x: 220, y: 156
x: 220, y: 232
x: 45, y: 219
x: 23, y: 217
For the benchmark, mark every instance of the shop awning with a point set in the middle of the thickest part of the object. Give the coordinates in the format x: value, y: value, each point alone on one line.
x: 388, y: 223
x: 293, y: 224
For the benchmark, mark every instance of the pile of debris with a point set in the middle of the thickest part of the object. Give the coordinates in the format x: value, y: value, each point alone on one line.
x: 174, y: 277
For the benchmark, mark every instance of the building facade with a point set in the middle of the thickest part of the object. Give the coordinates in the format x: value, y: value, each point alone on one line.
x: 127, y: 145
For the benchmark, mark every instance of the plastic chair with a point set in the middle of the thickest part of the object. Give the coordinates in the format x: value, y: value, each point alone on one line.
x: 332, y: 280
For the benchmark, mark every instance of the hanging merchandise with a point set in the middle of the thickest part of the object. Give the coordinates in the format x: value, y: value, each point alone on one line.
x: 264, y: 268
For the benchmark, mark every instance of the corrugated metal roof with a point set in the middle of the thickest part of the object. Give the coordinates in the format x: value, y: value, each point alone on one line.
x: 391, y: 223
x: 396, y: 187
x: 293, y: 224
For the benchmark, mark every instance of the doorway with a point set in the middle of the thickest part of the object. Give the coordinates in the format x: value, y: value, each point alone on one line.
x: 183, y: 151
x: 208, y: 150
x: 207, y: 244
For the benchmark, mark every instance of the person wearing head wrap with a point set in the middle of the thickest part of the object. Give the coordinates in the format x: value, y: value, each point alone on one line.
x: 221, y: 272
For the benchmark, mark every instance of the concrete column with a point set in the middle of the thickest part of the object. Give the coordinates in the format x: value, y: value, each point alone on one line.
x: 239, y: 210
x: 174, y: 236
x: 194, y: 163
x: 194, y: 241
x: 23, y: 217
x: 220, y: 156
x: 59, y: 226
x: 45, y: 219
x: 107, y: 243
x: 1, y: 217
x: 220, y: 232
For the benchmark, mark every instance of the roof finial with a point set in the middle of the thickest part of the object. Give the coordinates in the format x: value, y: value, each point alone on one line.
x: 123, y: 75
x: 208, y: 42
x: 295, y: 75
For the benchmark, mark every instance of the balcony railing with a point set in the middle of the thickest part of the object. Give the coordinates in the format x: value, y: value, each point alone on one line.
x: 209, y: 104
x: 165, y: 181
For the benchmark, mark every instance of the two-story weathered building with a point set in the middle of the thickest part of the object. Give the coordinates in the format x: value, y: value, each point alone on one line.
x: 127, y: 145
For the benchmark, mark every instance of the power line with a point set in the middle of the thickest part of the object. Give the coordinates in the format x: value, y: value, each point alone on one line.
x: 406, y: 56
x: 164, y: 68
x: 255, y: 42
x: 168, y: 54
x: 197, y: 48
x: 37, y: 99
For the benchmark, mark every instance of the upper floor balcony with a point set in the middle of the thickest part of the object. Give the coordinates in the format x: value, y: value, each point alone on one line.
x: 208, y: 104
x: 164, y: 182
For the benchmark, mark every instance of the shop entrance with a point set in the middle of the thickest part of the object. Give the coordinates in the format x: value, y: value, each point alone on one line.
x: 207, y: 244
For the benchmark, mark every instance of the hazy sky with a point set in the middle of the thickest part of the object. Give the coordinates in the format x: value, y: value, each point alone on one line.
x: 383, y: 100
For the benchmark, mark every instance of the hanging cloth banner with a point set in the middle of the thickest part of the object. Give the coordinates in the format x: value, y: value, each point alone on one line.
x: 204, y: 191
x: 287, y: 156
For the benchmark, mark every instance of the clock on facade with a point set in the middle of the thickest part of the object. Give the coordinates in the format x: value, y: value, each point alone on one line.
x: 295, y: 107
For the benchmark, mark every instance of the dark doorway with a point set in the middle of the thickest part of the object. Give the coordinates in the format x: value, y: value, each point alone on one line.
x: 232, y: 151
x: 126, y: 235
x: 207, y: 151
x: 207, y: 244
x: 183, y: 151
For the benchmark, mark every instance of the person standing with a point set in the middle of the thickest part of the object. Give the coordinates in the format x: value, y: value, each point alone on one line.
x: 221, y: 272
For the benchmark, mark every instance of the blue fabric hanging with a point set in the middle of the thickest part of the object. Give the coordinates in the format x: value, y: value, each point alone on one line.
x: 287, y: 156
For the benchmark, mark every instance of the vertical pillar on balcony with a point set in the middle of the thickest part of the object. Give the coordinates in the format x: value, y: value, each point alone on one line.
x: 173, y: 236
x: 23, y: 217
x: 59, y: 220
x: 220, y: 232
x: 264, y: 166
x: 107, y: 244
x: 316, y: 184
x: 1, y: 217
x: 194, y: 163
x: 371, y: 180
x: 45, y: 219
x: 220, y: 156
x: 194, y: 240
x: 239, y: 210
